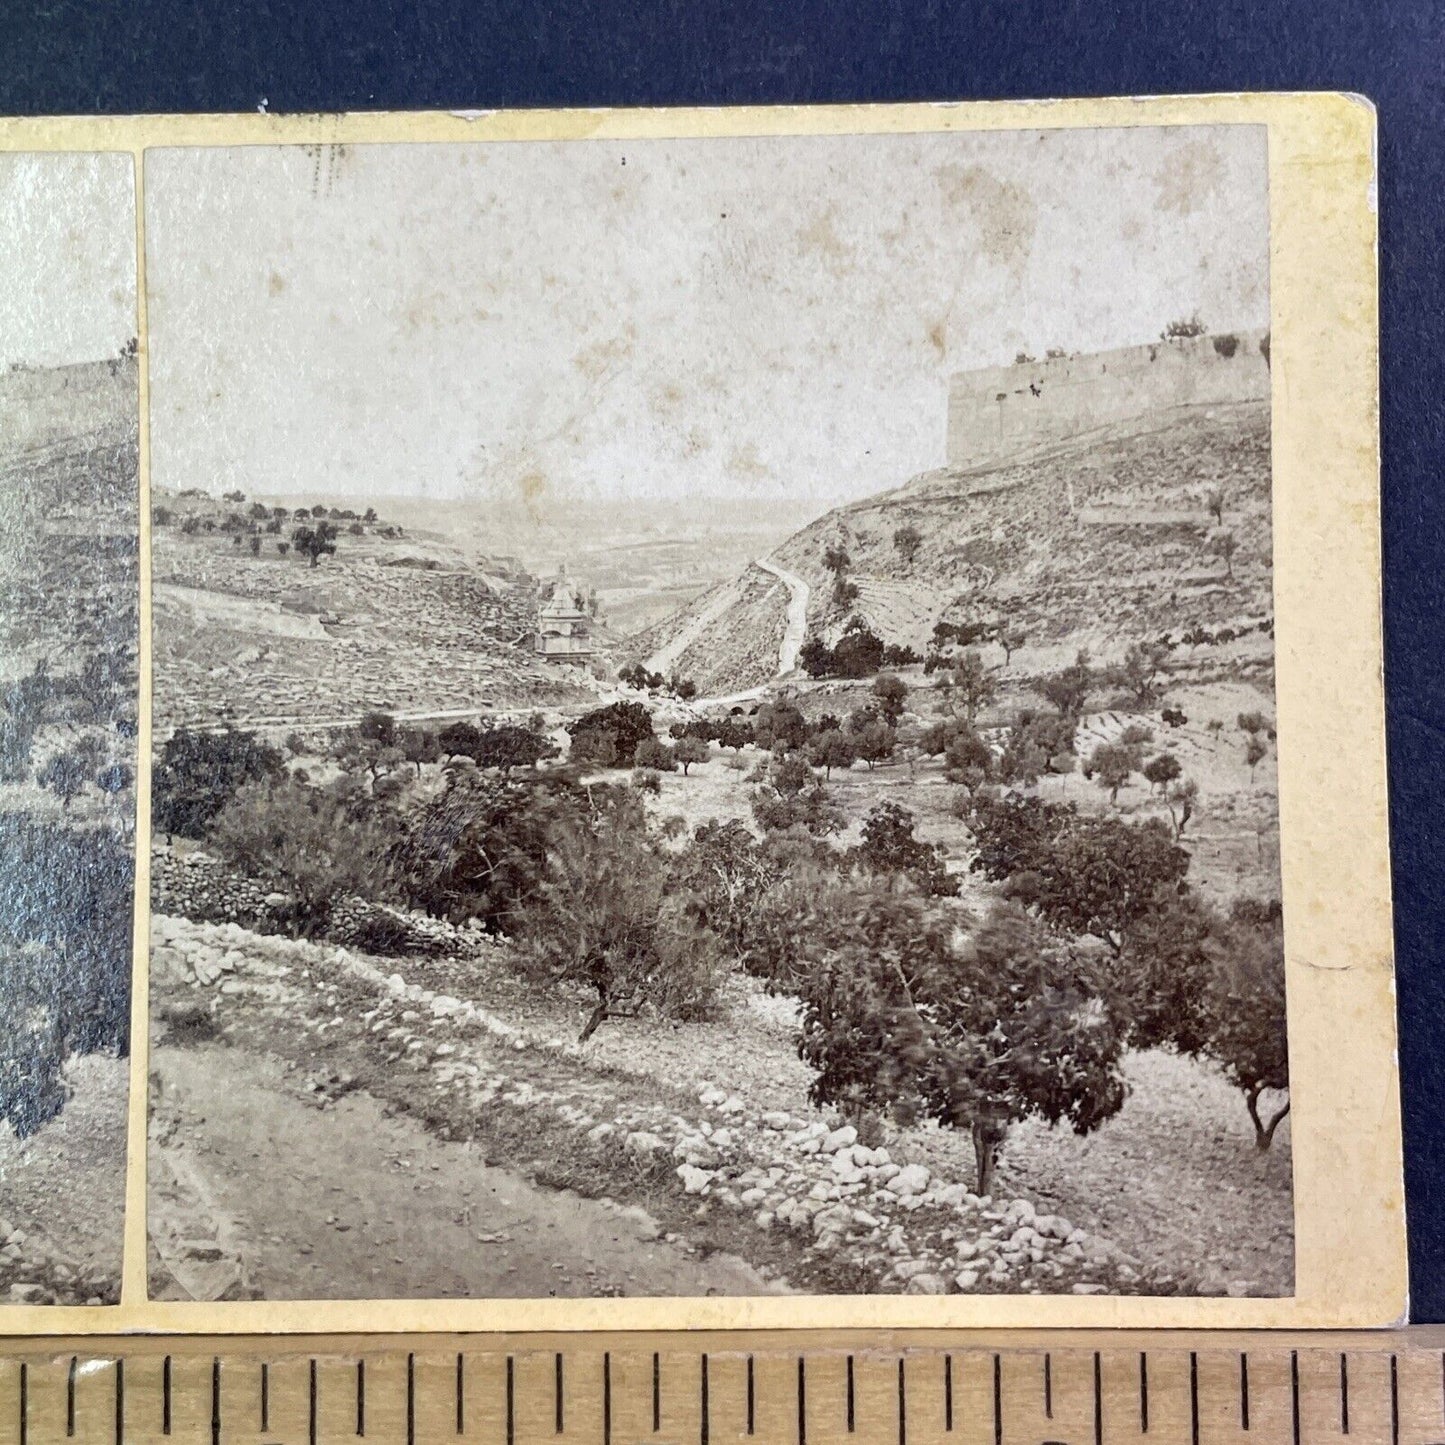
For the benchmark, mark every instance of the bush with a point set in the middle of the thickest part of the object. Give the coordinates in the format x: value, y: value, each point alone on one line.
x: 603, y: 918
x: 655, y: 755
x: 889, y: 847
x: 629, y: 723
x: 309, y: 843
x: 198, y: 774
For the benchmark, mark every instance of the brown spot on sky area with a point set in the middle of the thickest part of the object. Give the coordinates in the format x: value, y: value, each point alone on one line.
x: 1003, y: 212
x: 1187, y: 181
x: 275, y: 284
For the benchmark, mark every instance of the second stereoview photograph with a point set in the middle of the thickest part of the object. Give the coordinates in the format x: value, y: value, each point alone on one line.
x: 713, y: 719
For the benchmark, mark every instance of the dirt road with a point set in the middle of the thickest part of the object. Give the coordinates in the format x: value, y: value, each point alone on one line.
x: 797, y: 628
x: 350, y: 1202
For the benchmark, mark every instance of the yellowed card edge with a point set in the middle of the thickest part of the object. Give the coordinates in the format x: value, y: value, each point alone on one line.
x: 1349, y: 1199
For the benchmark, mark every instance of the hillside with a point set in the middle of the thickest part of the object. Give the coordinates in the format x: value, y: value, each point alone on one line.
x: 389, y: 620
x: 1089, y: 543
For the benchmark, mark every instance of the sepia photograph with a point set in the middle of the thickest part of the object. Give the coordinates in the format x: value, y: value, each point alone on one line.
x: 713, y: 718
x: 69, y: 629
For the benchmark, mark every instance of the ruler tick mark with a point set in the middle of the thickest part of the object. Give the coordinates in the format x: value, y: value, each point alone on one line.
x: 902, y: 1405
x: 1294, y: 1394
x: 1344, y: 1393
x: 511, y: 1416
x: 24, y: 1401
x: 461, y: 1392
x: 1098, y: 1400
x: 361, y: 1397
x: 166, y: 1396
x: 750, y: 1394
x: 606, y: 1399
x: 1243, y: 1391
x: 1048, y: 1386
x: 70, y: 1398
x: 948, y: 1392
x: 215, y: 1400
x: 702, y: 1401
x: 1394, y: 1402
x: 557, y: 1391
x: 411, y: 1400
x: 802, y: 1402
x: 119, y: 1402
x: 850, y: 1395
x: 656, y: 1392
x: 265, y: 1397
x: 997, y: 1401
x: 311, y: 1407
x: 1143, y: 1393
x: 1194, y: 1397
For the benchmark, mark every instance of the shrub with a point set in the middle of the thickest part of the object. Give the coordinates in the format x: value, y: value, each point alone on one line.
x: 198, y: 774
x: 1086, y: 874
x: 1226, y: 345
x: 309, y: 843
x: 602, y: 918
x: 889, y: 847
x: 655, y: 755
x: 646, y: 780
x: 629, y: 723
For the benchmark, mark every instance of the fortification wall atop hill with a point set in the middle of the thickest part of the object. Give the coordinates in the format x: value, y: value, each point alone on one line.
x: 1002, y: 411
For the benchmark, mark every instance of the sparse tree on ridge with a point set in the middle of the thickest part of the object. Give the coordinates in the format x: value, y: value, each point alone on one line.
x: 908, y: 540
x: 1224, y: 545
x: 1180, y: 798
x: 1255, y: 749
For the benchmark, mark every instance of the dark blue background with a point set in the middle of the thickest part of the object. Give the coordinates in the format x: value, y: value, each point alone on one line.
x: 119, y: 56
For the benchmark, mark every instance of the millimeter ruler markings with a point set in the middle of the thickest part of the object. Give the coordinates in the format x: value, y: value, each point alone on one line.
x: 1375, y: 1390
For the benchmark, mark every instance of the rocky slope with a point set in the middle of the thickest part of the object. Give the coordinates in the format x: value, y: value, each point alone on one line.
x: 1100, y: 540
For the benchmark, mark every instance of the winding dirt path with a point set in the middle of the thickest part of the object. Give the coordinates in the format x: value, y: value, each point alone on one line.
x: 352, y: 1202
x: 797, y: 628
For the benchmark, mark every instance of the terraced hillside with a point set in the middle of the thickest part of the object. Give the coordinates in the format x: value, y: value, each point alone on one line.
x: 398, y: 623
x: 1091, y: 543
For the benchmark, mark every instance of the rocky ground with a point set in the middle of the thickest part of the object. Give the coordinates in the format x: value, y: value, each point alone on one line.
x: 651, y: 1184
x: 62, y: 1194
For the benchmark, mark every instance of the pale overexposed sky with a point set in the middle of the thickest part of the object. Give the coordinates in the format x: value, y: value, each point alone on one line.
x: 614, y: 320
x: 67, y: 257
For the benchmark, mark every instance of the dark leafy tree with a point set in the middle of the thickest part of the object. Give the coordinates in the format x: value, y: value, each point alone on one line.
x: 891, y: 693
x: 890, y: 847
x: 908, y: 540
x: 1069, y: 689
x: 629, y: 723
x: 1162, y: 770
x: 316, y: 542
x: 199, y: 772
x: 893, y: 1016
x: 65, y: 775
x: 510, y: 746
x: 690, y: 752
